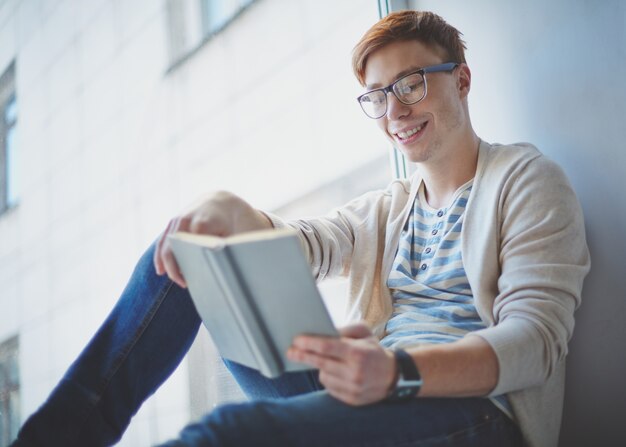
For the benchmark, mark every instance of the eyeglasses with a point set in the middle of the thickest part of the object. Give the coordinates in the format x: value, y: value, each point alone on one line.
x: 409, y: 89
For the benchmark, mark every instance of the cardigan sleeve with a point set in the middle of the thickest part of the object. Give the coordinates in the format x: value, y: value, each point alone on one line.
x: 543, y: 259
x: 329, y: 241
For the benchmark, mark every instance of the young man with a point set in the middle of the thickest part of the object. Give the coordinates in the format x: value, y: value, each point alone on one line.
x: 464, y: 280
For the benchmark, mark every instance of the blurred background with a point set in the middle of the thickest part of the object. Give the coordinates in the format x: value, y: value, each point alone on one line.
x: 115, y: 115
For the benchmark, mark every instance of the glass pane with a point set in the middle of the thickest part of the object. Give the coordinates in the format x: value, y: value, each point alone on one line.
x: 9, y: 392
x: 13, y: 371
x: 10, y: 111
x: 216, y: 13
x: 14, y: 414
x: 12, y: 164
x: 4, y: 435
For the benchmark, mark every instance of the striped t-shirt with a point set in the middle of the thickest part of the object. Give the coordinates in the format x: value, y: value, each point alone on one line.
x: 432, y: 298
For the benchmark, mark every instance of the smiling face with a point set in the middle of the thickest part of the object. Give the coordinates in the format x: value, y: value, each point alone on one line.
x: 434, y: 128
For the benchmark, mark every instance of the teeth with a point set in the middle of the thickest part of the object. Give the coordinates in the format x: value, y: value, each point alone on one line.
x: 410, y: 132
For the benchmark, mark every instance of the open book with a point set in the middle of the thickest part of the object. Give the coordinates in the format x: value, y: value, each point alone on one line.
x: 255, y: 293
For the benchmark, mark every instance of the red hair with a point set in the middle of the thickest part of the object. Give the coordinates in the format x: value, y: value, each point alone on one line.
x: 423, y: 26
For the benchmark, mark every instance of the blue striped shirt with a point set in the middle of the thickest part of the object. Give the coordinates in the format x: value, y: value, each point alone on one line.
x: 432, y: 298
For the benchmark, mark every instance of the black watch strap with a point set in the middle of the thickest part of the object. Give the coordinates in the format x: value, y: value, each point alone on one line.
x: 409, y: 379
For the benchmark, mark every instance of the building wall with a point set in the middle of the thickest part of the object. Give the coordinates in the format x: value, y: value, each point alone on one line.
x: 552, y: 73
x: 112, y: 145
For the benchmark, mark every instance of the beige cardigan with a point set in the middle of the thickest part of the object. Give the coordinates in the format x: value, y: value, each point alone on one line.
x: 525, y: 255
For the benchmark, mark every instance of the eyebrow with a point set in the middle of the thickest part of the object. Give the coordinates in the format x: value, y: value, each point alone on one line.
x: 398, y: 76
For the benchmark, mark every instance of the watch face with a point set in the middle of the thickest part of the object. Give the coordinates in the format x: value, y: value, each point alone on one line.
x: 406, y: 392
x: 409, y: 383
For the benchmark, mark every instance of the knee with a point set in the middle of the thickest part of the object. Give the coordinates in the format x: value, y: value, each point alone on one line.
x: 229, y: 415
x: 144, y: 268
x: 147, y: 259
x: 223, y: 426
x: 249, y: 423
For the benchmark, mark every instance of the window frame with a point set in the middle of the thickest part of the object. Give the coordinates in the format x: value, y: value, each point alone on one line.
x: 9, y: 386
x: 399, y: 165
x: 9, y: 193
x: 181, y: 28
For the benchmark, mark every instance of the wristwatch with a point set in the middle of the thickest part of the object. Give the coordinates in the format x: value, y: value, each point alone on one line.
x: 409, y: 380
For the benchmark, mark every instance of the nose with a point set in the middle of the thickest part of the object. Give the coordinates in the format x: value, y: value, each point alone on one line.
x: 396, y: 109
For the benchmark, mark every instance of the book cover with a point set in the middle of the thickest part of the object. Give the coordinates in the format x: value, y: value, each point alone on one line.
x: 254, y: 292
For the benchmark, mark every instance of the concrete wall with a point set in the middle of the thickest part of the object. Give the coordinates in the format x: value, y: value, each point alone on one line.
x: 111, y: 146
x: 552, y: 73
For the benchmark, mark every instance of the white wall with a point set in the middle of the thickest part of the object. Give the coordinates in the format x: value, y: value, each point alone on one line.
x: 552, y: 73
x: 111, y: 147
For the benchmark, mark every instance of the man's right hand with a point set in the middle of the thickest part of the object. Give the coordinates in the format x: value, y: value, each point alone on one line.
x: 220, y: 214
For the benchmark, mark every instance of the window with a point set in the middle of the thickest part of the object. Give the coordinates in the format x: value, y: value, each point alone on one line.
x: 9, y: 391
x: 8, y: 143
x: 191, y: 23
x: 216, y: 14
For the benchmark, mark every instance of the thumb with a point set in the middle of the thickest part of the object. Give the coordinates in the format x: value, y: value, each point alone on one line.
x: 356, y: 330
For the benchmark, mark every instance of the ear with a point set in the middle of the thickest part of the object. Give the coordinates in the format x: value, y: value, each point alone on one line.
x: 464, y: 80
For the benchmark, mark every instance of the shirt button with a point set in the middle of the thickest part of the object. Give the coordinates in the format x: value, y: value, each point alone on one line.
x: 439, y: 213
x: 428, y: 250
x: 423, y: 267
x: 434, y: 232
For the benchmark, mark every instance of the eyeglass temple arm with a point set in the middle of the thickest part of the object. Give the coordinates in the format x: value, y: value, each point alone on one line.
x: 448, y: 66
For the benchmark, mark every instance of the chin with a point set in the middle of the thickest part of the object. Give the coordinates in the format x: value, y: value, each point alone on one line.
x: 417, y: 156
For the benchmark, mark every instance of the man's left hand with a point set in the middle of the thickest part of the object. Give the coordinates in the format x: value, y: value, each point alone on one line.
x: 354, y: 368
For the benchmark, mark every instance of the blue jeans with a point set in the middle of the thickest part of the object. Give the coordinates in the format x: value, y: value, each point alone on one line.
x: 146, y: 336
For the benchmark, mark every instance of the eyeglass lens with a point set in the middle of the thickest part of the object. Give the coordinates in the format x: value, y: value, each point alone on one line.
x: 408, y: 90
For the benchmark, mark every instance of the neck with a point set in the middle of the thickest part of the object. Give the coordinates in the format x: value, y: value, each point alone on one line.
x: 443, y: 178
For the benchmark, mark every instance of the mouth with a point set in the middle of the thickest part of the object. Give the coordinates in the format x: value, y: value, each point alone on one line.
x: 412, y: 134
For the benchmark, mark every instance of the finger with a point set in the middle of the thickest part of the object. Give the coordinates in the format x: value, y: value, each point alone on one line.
x: 354, y: 389
x: 330, y: 367
x: 161, y: 245
x: 345, y: 391
x: 326, y: 346
x: 356, y: 330
x: 328, y: 364
x: 167, y: 256
x: 158, y: 263
x: 337, y: 386
x: 171, y: 267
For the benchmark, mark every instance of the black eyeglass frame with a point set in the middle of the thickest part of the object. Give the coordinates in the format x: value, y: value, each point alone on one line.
x: 448, y: 66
